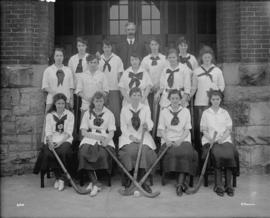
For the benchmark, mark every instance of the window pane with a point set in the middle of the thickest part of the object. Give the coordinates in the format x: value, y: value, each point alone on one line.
x: 122, y: 26
x: 146, y: 12
x: 155, y: 27
x: 123, y: 2
x: 123, y: 12
x: 146, y: 27
x: 114, y: 12
x: 114, y: 27
x: 155, y: 12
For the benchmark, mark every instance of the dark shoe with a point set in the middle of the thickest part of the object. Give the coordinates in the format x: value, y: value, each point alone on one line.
x: 146, y: 188
x: 127, y: 183
x: 179, y: 190
x: 229, y: 191
x: 184, y: 187
x: 219, y: 191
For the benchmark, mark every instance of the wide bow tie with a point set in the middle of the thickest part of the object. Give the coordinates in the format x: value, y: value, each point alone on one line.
x: 135, y: 78
x: 185, y: 60
x: 170, y: 79
x: 207, y: 73
x: 135, y: 119
x: 107, y: 64
x: 98, y: 118
x: 59, y: 126
x: 60, y: 77
x: 154, y: 60
x: 175, y: 119
x: 79, y: 68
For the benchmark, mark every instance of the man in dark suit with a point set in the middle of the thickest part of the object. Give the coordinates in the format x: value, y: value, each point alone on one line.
x: 130, y: 45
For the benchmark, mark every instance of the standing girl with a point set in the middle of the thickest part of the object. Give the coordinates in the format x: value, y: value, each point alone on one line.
x: 97, y: 126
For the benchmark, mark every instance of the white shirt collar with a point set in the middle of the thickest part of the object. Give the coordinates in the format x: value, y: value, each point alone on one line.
x: 132, y: 40
x: 138, y: 108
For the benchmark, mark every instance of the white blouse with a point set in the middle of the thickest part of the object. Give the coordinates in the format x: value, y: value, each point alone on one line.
x: 192, y: 60
x: 51, y: 127
x: 143, y: 84
x: 127, y: 128
x: 112, y: 74
x: 50, y: 80
x: 212, y: 121
x: 89, y: 83
x: 155, y: 70
x: 182, y: 80
x: 203, y: 83
x: 174, y: 132
x: 108, y: 124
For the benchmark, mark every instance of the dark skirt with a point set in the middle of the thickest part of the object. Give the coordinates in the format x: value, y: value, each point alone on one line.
x: 198, y: 110
x: 94, y: 157
x: 114, y: 104
x: 222, y: 155
x: 77, y: 116
x: 47, y: 160
x: 182, y: 159
x: 128, y: 156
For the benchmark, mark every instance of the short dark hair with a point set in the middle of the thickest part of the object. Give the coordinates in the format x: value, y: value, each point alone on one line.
x: 206, y: 50
x: 107, y: 42
x: 181, y: 40
x: 155, y: 39
x: 82, y: 40
x: 172, y: 51
x: 91, y: 57
x: 135, y: 55
x: 174, y: 91
x: 97, y: 95
x: 58, y: 49
x: 135, y: 90
x: 56, y: 98
x: 215, y: 92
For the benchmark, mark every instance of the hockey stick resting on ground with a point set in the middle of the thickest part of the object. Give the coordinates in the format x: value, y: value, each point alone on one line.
x: 197, y: 186
x: 76, y: 188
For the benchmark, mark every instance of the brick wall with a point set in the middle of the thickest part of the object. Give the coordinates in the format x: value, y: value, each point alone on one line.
x: 27, y: 39
x: 26, y: 33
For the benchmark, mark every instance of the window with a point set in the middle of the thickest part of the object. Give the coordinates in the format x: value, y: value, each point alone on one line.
x: 176, y: 17
x: 118, y: 17
x: 150, y: 17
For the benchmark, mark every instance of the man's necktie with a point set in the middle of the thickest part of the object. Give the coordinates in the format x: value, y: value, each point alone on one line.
x: 185, y: 60
x: 154, y: 60
x: 135, y: 79
x: 170, y: 79
x: 79, y: 68
x: 107, y: 64
x: 207, y: 73
x: 135, y: 119
x: 60, y: 77
x: 59, y: 126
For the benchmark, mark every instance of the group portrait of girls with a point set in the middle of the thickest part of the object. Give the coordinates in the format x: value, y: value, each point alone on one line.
x: 119, y: 100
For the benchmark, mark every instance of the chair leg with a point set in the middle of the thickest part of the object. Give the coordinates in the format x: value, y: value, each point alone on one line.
x: 48, y: 174
x: 81, y: 177
x: 151, y: 179
x: 206, y: 179
x: 234, y: 181
x: 109, y: 180
x: 191, y: 181
x: 163, y: 182
x: 42, y: 174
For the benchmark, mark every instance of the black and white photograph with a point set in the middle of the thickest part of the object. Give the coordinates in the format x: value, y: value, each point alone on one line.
x: 135, y: 108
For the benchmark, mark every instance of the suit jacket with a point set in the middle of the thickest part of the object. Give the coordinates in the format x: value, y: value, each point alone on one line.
x: 124, y: 50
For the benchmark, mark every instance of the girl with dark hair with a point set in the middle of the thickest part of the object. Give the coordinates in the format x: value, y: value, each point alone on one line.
x: 97, y: 127
x: 174, y: 126
x: 205, y: 77
x: 58, y: 135
x: 135, y: 76
x: 134, y: 118
x: 175, y: 76
x: 223, y: 153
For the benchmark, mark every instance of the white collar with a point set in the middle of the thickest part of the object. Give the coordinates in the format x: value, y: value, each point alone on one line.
x: 132, y: 40
x: 103, y: 56
x: 131, y: 70
x: 63, y: 114
x: 138, y: 108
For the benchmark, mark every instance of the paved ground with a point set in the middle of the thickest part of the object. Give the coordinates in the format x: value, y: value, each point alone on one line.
x: 22, y: 197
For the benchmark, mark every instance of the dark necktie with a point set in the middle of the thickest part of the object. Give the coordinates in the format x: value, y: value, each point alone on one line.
x: 79, y: 68
x: 59, y: 126
x: 207, y: 73
x: 135, y: 79
x: 60, y: 77
x: 107, y: 64
x: 170, y: 79
x: 175, y: 119
x: 154, y: 60
x: 135, y: 119
x: 185, y: 60
x: 98, y: 118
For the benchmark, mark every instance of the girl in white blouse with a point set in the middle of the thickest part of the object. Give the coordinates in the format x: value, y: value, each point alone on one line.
x: 58, y: 135
x: 134, y: 118
x: 224, y: 153
x: 135, y: 76
x: 205, y: 77
x: 174, y: 126
x: 97, y: 126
